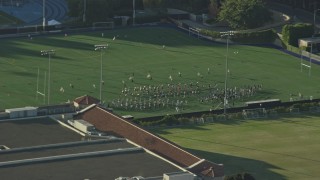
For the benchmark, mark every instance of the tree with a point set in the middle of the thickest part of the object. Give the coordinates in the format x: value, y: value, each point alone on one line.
x: 74, y: 8
x: 154, y: 3
x: 100, y: 10
x: 213, y: 8
x: 244, y: 14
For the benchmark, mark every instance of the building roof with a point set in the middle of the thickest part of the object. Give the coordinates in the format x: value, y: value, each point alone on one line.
x: 28, y: 108
x: 106, y: 121
x: 86, y: 100
x: 33, y: 132
x: 83, y: 122
x: 107, y: 160
x: 55, y: 152
x: 207, y: 168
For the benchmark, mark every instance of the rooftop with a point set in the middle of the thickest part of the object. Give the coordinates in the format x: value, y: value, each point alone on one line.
x: 55, y: 152
x: 86, y: 100
x: 33, y: 132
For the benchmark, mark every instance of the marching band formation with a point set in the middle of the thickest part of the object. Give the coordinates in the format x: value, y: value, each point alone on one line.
x: 176, y: 95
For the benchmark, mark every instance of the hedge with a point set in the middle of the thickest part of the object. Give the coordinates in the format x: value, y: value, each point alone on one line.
x: 292, y: 33
x: 257, y: 37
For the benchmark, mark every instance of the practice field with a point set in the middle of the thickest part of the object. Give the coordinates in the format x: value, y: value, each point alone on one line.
x: 152, y: 57
x: 268, y: 149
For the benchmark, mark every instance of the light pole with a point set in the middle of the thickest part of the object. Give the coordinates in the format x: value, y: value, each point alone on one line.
x: 44, y: 15
x: 96, y: 48
x: 134, y: 12
x: 314, y: 21
x: 226, y: 34
x: 49, y: 53
x: 84, y: 10
x: 310, y: 59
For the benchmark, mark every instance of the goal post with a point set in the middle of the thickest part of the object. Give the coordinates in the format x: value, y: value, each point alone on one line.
x: 38, y: 92
x: 302, y: 64
x: 103, y: 25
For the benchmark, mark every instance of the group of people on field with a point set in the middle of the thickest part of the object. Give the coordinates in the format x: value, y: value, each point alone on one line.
x: 161, y: 96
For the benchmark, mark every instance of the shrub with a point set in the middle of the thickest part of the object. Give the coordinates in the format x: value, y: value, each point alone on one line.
x: 169, y: 120
x: 183, y: 120
x: 211, y: 21
x: 265, y: 36
x: 213, y: 34
x: 256, y: 37
x: 291, y: 33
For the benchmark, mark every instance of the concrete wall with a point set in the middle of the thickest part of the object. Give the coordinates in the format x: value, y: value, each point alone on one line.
x: 178, y: 177
x: 4, y: 115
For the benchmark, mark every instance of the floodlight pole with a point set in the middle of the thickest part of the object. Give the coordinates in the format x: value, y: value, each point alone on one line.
x: 227, y: 35
x: 84, y: 10
x: 44, y: 15
x: 301, y: 60
x: 314, y: 21
x: 49, y: 53
x: 310, y: 59
x: 100, y: 47
x: 134, y: 12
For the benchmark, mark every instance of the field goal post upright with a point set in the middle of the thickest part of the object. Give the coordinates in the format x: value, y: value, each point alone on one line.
x: 310, y: 58
x: 103, y: 25
x: 194, y: 31
x: 43, y: 94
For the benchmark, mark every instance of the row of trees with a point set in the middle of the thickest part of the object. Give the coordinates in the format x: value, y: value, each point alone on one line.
x: 99, y: 9
x: 302, y: 4
x: 244, y: 14
x: 239, y: 14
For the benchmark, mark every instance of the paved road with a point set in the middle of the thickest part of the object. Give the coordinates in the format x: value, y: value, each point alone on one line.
x: 298, y: 15
x: 31, y: 12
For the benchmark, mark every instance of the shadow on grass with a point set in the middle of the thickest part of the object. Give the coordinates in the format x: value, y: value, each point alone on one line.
x: 164, y: 130
x: 24, y: 74
x: 234, y: 165
x: 282, y: 118
x: 12, y: 46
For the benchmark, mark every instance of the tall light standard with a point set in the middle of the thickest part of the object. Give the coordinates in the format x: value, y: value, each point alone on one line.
x: 84, y: 10
x: 49, y: 53
x: 96, y: 48
x: 314, y: 20
x: 44, y: 15
x: 226, y: 34
x: 134, y: 12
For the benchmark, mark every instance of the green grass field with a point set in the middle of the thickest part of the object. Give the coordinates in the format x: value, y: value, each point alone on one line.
x: 286, y: 148
x: 139, y: 51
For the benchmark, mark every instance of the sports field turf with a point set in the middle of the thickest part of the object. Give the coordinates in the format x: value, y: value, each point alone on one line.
x: 286, y: 148
x: 140, y: 51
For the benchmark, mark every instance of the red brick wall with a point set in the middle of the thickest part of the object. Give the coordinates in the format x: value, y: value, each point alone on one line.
x: 106, y: 121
